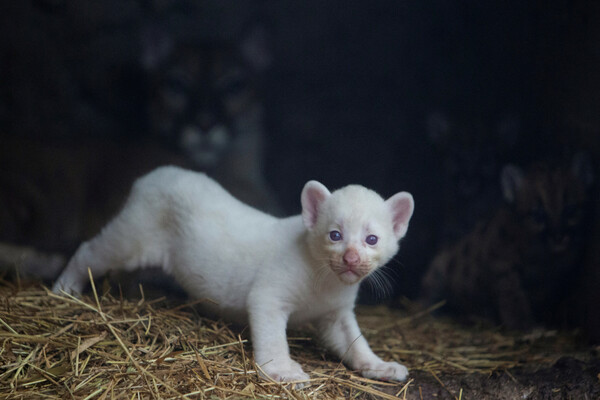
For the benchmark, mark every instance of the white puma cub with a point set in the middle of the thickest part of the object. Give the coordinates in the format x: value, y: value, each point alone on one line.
x: 259, y: 269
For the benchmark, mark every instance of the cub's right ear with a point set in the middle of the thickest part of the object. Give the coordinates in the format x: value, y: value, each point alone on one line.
x: 313, y: 196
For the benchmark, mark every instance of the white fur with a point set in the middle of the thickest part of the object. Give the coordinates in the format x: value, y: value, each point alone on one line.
x: 267, y: 271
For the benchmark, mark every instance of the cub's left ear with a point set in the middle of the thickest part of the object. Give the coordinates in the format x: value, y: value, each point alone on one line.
x: 401, y: 206
x: 312, y: 198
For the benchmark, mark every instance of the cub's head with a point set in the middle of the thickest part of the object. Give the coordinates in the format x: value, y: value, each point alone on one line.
x: 353, y: 231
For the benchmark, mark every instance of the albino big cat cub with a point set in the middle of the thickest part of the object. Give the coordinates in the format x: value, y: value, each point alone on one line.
x: 265, y: 271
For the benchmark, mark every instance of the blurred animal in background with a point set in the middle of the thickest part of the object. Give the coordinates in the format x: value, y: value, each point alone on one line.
x: 521, y: 266
x: 205, y: 102
x: 472, y: 151
x: 189, y: 102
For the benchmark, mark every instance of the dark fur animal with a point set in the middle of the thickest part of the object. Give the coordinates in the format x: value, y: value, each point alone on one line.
x: 204, y: 101
x: 520, y: 266
x: 203, y: 112
x: 473, y: 150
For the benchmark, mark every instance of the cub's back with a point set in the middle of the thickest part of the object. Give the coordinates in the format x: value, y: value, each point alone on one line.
x: 181, y: 200
x: 177, y: 183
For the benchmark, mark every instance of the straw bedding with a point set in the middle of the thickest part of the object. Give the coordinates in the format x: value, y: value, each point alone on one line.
x: 106, y: 347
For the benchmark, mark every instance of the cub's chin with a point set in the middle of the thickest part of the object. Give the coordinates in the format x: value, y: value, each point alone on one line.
x: 350, y: 275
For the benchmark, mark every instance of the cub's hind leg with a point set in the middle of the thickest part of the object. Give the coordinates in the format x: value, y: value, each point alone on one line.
x: 128, y: 242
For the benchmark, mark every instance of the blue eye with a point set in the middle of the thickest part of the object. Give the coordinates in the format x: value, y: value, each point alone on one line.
x: 371, y: 240
x: 335, y: 236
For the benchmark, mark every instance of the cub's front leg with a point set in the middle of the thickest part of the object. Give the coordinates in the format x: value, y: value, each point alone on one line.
x: 271, y: 352
x: 341, y: 334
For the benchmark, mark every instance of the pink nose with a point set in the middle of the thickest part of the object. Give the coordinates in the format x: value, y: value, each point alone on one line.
x: 351, y: 257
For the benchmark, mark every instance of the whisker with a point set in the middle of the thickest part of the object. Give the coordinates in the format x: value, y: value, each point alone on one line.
x: 320, y: 275
x: 383, y: 287
x: 384, y: 284
x: 373, y: 282
x: 395, y: 260
x: 380, y: 281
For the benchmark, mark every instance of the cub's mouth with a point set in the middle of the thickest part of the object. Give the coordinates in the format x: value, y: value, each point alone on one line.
x: 350, y: 274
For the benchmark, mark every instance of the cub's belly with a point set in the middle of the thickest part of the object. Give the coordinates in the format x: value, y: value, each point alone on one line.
x: 223, y: 293
x: 310, y: 313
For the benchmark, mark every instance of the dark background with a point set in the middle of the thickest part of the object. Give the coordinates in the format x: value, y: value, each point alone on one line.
x: 349, y: 93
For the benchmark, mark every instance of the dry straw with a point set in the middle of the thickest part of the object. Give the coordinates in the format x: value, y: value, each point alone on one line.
x: 102, y: 347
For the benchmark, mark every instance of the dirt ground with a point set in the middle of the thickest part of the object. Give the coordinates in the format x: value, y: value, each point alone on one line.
x: 453, y: 361
x: 568, y: 378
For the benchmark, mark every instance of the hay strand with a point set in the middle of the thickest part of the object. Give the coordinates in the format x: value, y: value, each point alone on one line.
x: 101, y: 347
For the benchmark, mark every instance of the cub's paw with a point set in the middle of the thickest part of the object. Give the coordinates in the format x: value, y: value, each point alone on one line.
x: 285, y: 371
x: 68, y: 284
x: 385, y: 371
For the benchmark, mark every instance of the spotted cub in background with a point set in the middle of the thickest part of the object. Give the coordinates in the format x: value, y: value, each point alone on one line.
x: 519, y: 267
